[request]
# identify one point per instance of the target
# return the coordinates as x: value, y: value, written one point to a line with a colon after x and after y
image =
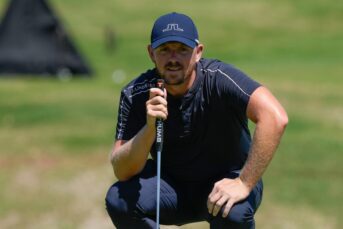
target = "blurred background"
x: 57, y: 128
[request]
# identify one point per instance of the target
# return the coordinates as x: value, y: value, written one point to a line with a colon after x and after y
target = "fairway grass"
x: 55, y: 135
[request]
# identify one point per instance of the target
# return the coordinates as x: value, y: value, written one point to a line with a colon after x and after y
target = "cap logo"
x: 172, y: 27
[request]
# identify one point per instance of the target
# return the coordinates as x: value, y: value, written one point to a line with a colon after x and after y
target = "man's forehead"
x: 173, y: 44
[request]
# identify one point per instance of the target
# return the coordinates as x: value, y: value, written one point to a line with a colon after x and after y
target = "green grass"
x: 55, y: 135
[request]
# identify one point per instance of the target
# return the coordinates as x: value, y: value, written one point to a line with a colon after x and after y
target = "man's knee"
x: 243, y: 212
x: 238, y: 218
x: 241, y: 215
x: 126, y: 197
x: 114, y: 204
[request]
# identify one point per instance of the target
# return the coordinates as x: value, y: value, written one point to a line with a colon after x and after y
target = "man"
x: 211, y: 169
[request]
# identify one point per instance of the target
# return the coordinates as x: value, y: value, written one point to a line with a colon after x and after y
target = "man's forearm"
x: 130, y: 158
x: 266, y: 139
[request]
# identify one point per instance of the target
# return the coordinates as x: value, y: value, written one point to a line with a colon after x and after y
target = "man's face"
x: 175, y: 61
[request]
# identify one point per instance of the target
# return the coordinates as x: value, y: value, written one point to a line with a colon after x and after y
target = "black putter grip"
x: 159, y: 122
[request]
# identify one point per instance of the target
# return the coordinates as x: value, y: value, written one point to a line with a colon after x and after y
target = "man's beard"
x: 169, y: 80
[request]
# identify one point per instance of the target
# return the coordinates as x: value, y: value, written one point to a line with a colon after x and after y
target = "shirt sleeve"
x: 237, y: 86
x: 128, y: 123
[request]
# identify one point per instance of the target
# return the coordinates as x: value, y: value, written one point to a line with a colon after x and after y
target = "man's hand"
x: 156, y: 106
x: 226, y: 193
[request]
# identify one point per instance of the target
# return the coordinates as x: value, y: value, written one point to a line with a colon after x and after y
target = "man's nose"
x: 173, y: 54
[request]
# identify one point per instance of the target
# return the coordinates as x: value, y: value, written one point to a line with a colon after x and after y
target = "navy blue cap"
x: 174, y: 27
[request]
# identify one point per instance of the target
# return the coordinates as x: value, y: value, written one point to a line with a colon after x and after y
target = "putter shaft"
x: 159, y: 146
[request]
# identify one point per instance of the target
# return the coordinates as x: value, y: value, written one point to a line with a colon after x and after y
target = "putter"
x: 159, y: 146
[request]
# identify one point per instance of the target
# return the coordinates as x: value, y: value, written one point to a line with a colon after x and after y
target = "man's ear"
x: 151, y: 53
x: 199, y: 50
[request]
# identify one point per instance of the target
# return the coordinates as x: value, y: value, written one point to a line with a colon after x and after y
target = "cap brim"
x: 182, y: 40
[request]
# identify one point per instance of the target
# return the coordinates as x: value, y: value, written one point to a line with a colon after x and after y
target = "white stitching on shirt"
x: 139, y: 92
x: 227, y: 76
x: 145, y: 81
x: 120, y: 130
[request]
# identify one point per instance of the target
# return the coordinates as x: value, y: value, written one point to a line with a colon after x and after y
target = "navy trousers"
x: 132, y: 204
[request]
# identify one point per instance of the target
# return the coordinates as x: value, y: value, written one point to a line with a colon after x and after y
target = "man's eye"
x: 183, y: 50
x: 163, y: 50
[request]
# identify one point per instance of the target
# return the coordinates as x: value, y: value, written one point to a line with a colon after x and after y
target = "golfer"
x: 211, y: 167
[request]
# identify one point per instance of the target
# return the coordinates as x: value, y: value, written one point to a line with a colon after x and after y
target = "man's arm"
x: 271, y: 121
x: 129, y: 157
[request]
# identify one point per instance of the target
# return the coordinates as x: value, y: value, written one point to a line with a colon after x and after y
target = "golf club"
x: 159, y: 146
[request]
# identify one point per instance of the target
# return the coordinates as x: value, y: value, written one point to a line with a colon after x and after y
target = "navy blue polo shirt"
x: 206, y: 133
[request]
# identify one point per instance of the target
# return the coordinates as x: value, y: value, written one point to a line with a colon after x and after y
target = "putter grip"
x: 159, y: 122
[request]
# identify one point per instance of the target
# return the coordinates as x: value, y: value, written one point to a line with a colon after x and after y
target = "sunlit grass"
x: 55, y: 135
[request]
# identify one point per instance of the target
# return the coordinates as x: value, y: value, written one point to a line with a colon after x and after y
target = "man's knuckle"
x: 226, y: 209
x: 212, y: 200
